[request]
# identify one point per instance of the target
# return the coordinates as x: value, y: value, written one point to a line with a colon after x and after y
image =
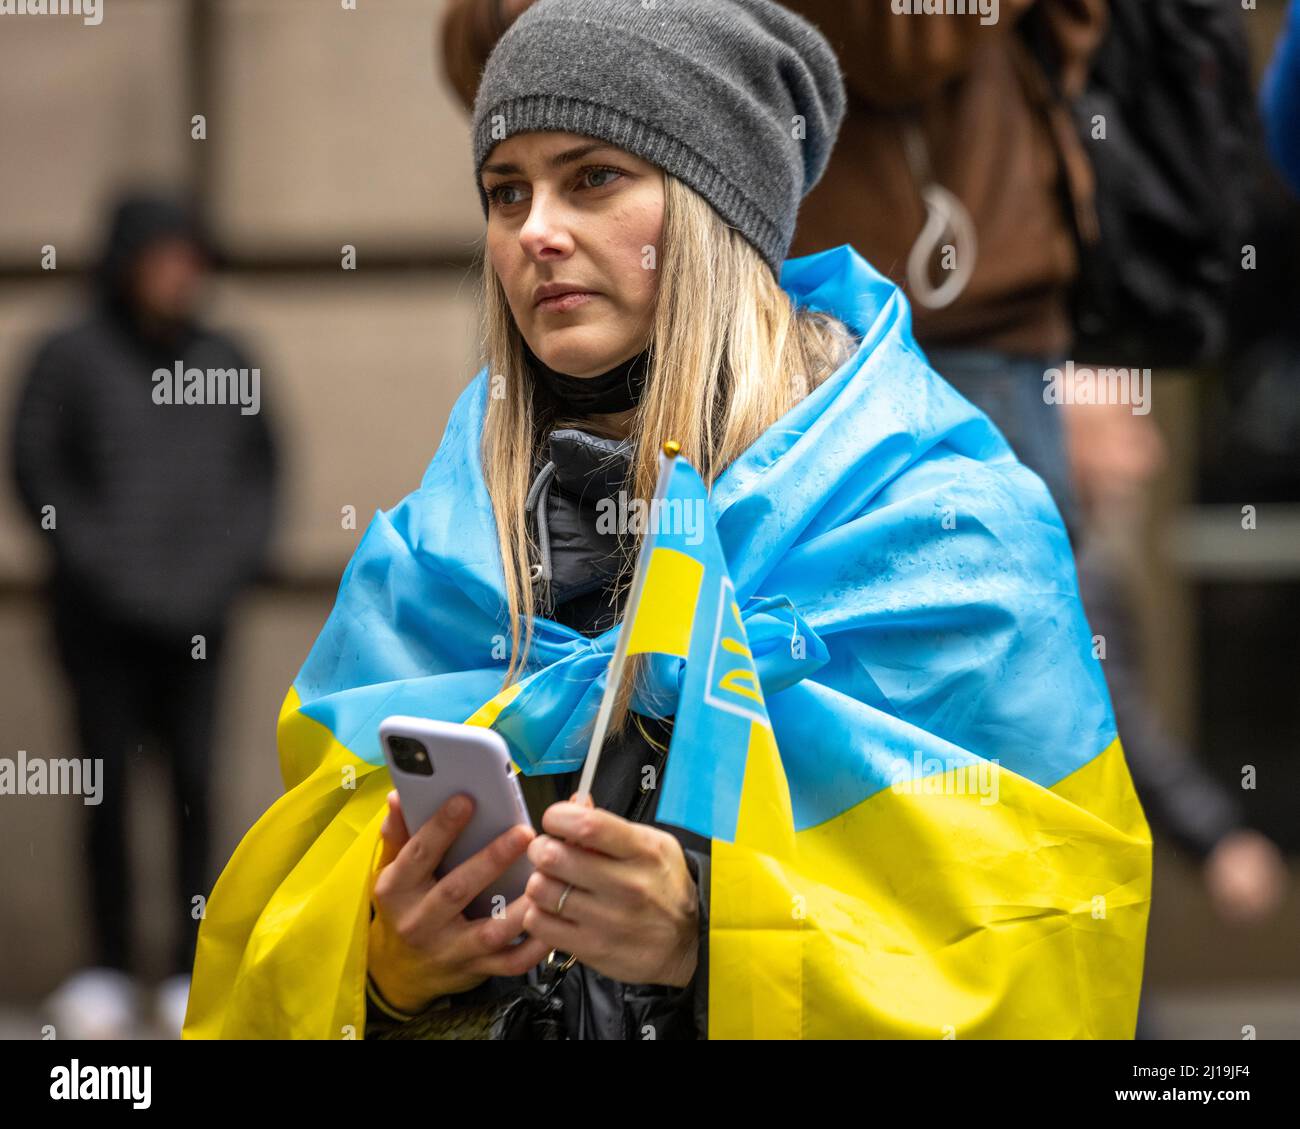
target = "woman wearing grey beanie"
x: 900, y: 581
x: 640, y: 167
x: 863, y: 700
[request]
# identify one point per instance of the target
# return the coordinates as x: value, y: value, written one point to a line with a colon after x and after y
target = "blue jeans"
x: 1009, y: 390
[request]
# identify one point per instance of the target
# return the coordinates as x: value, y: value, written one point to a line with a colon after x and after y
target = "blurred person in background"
x: 1114, y: 455
x: 156, y: 515
x: 1280, y: 100
x: 962, y: 177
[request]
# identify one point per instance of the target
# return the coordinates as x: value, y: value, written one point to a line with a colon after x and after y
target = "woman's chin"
x: 578, y: 362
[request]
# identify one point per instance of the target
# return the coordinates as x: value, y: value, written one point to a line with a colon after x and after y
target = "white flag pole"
x: 614, y: 677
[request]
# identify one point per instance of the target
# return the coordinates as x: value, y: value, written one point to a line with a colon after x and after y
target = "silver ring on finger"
x: 559, y: 909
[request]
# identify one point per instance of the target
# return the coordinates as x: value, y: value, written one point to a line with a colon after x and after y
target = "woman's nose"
x: 547, y: 231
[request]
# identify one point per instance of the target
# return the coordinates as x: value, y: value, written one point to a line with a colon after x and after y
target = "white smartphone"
x: 430, y: 761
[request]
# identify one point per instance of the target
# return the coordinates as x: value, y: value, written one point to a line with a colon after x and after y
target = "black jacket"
x: 162, y: 511
x: 579, y: 566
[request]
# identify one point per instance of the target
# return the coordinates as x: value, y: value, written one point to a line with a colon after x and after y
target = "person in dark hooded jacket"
x: 156, y: 514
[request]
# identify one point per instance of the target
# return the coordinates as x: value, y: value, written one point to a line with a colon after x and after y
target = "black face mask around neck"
x: 614, y: 391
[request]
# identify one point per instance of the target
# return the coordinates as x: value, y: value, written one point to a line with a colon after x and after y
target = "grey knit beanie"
x: 740, y: 99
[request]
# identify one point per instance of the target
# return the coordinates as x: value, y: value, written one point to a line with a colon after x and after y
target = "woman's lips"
x: 563, y: 303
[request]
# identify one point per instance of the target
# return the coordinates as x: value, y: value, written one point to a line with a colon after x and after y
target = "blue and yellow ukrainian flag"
x: 889, y: 721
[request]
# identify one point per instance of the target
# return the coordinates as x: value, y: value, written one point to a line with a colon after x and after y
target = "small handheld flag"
x: 671, y: 448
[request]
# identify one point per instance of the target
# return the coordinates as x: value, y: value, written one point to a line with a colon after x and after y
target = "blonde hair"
x: 729, y: 354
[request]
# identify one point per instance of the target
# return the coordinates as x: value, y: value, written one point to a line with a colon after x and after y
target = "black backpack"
x: 1172, y: 84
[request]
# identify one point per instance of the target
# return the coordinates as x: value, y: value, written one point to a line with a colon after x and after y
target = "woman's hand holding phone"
x: 421, y: 945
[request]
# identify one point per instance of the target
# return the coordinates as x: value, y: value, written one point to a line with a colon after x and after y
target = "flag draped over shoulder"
x: 888, y: 719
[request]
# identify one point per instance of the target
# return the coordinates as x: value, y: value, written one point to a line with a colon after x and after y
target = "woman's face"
x: 571, y: 214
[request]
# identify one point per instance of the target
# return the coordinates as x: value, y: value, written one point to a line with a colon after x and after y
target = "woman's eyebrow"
x: 567, y: 157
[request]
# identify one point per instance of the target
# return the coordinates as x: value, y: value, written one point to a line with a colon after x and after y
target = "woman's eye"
x: 497, y: 195
x: 600, y: 172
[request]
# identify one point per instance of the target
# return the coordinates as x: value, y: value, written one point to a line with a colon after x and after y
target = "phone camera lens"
x: 410, y: 755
